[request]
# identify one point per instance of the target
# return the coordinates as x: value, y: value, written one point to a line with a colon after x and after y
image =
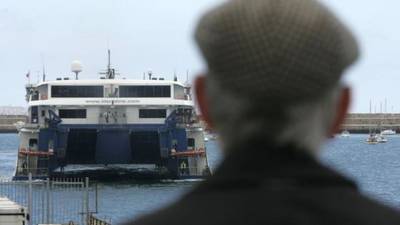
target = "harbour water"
x: 375, y: 168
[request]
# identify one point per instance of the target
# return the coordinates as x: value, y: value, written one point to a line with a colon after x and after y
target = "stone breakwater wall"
x: 355, y: 122
x: 364, y: 122
x: 7, y: 122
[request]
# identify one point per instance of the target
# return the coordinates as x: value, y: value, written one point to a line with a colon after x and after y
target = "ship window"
x: 35, y: 96
x: 34, y: 114
x: 72, y: 113
x: 42, y: 89
x: 33, y: 142
x: 152, y: 113
x: 77, y: 91
x: 163, y: 91
x: 179, y: 92
x: 191, y: 142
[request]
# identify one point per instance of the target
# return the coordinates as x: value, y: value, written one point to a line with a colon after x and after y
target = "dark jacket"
x: 261, y: 184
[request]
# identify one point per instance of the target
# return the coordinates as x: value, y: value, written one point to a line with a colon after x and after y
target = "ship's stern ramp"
x: 112, y: 146
x: 168, y: 150
x: 93, y: 149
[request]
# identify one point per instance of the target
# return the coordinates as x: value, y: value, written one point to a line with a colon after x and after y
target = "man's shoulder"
x: 263, y: 204
x: 284, y: 187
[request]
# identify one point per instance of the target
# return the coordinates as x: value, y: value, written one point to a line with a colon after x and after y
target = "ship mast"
x: 110, y: 72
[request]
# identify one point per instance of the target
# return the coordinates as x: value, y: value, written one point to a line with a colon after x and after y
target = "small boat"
x: 381, y: 138
x: 372, y: 139
x: 206, y: 138
x: 388, y: 132
x: 19, y: 125
x: 345, y: 133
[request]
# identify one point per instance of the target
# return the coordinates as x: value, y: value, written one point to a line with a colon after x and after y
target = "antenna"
x: 44, y: 74
x: 109, y: 60
x: 175, y: 76
x: 174, y: 73
x: 144, y: 76
x: 38, y: 76
x: 43, y: 70
x: 110, y: 72
x: 76, y: 67
x: 150, y: 73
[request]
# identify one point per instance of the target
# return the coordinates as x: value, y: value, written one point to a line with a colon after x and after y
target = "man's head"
x: 274, y: 70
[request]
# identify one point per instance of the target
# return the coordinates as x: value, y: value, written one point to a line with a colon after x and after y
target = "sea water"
x: 375, y: 168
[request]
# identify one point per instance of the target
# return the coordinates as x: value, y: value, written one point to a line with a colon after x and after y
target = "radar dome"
x: 76, y: 66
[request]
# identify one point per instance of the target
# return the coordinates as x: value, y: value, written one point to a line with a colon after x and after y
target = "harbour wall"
x: 366, y: 122
x: 7, y: 122
x: 355, y: 122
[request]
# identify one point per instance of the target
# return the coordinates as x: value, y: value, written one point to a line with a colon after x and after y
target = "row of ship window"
x: 82, y: 114
x: 160, y: 91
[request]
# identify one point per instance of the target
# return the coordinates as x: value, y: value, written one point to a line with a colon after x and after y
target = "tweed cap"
x: 280, y: 50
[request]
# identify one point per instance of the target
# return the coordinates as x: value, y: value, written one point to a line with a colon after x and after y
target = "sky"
x: 157, y: 35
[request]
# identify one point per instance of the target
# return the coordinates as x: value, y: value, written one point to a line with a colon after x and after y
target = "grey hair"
x: 236, y: 119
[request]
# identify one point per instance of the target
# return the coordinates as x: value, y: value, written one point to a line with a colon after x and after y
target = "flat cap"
x: 280, y: 50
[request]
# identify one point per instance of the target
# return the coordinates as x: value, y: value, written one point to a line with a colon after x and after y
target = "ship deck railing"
x: 30, y: 126
x: 31, y: 152
x: 36, y: 172
x: 189, y: 153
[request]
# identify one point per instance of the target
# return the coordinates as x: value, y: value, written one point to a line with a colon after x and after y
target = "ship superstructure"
x: 111, y: 127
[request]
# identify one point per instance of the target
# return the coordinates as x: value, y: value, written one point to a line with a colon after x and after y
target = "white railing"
x: 62, y: 201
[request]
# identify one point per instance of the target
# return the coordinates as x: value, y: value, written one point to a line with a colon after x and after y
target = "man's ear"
x: 201, y: 97
x: 341, y: 110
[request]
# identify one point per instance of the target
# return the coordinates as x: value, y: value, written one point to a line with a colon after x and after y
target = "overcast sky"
x: 157, y: 35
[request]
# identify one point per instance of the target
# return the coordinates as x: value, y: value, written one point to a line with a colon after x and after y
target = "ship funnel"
x: 76, y: 67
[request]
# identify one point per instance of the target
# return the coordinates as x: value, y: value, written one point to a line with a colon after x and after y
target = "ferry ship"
x: 107, y: 128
